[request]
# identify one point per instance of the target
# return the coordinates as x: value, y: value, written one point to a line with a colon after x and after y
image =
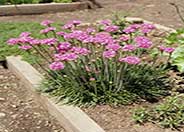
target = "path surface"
x: 19, y: 112
x: 159, y: 11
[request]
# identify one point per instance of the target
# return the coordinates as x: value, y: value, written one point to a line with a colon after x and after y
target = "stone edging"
x: 73, y: 119
x: 27, y: 9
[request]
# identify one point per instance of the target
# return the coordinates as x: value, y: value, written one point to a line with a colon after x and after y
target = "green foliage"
x: 62, y: 1
x: 169, y: 114
x: 178, y: 55
x: 149, y: 86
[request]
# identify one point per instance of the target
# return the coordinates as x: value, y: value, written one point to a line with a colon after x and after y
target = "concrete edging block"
x: 72, y: 118
x: 27, y: 9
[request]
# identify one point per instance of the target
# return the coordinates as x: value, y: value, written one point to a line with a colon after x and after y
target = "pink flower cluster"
x: 130, y: 60
x: 46, y: 22
x: 143, y: 42
x: 47, y: 30
x: 56, y: 66
x: 166, y: 49
x: 71, y: 24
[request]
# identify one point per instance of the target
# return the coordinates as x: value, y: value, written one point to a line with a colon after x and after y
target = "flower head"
x: 109, y: 54
x: 45, y: 31
x: 13, y: 41
x: 146, y: 27
x: 111, y: 28
x: 129, y: 47
x: 113, y: 47
x: 56, y: 66
x: 25, y: 34
x: 130, y: 60
x: 143, y: 42
x: 46, y: 22
x: 25, y: 47
x: 169, y: 49
x: 106, y: 22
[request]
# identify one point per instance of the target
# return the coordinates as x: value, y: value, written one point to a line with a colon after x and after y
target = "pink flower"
x: 113, y: 47
x: 80, y: 51
x: 60, y: 33
x: 24, y: 40
x: 25, y: 47
x: 92, y: 79
x: 25, y: 34
x: 124, y: 38
x: 68, y: 26
x: 46, y: 22
x: 35, y: 42
x: 64, y: 46
x: 76, y: 22
x: 90, y: 30
x: 129, y: 47
x: 130, y: 60
x: 132, y: 28
x: 109, y: 54
x: 169, y: 49
x: 106, y: 22
x: 146, y: 28
x: 13, y: 41
x: 161, y: 48
x: 103, y: 38
x: 66, y: 57
x: 111, y: 28
x: 56, y: 66
x: 143, y: 42
x: 45, y: 31
x: 48, y: 41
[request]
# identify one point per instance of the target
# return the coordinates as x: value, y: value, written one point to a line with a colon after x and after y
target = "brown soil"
x: 120, y: 119
x: 159, y: 11
x: 19, y: 112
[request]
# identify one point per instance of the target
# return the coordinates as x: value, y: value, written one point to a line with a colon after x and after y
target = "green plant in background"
x: 168, y: 114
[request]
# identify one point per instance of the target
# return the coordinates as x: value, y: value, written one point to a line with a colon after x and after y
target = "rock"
x: 2, y: 115
x: 2, y: 99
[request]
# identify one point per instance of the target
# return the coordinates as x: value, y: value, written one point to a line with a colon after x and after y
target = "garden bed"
x: 27, y: 9
x: 112, y: 119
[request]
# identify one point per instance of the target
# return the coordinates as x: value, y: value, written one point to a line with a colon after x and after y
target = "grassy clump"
x: 169, y: 114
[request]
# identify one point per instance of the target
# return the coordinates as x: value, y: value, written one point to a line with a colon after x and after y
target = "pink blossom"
x: 109, y: 54
x: 161, y: 48
x: 25, y: 47
x: 66, y: 57
x: 60, y: 33
x: 143, y: 42
x: 80, y: 51
x: 45, y: 31
x: 68, y: 26
x: 46, y: 22
x: 169, y: 49
x: 76, y: 22
x: 132, y: 28
x: 56, y: 66
x: 129, y: 47
x: 25, y: 34
x: 90, y: 30
x: 35, y: 42
x: 103, y: 38
x: 64, y: 46
x: 48, y: 41
x: 111, y: 28
x: 146, y: 27
x: 89, y: 39
x: 130, y: 60
x: 13, y: 41
x: 25, y: 39
x: 92, y: 79
x: 106, y: 22
x: 124, y: 38
x: 113, y: 47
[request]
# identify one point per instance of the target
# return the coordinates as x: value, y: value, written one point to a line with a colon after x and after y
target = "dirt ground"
x: 159, y: 11
x: 19, y: 112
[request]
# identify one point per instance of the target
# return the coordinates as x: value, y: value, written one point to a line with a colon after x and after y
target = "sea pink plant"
x: 80, y: 51
x: 146, y: 27
x: 64, y: 46
x: 66, y: 57
x: 25, y: 47
x: 111, y: 28
x: 143, y: 42
x: 124, y: 38
x: 25, y: 34
x: 109, y: 54
x: 56, y: 66
x: 130, y: 60
x: 46, y: 22
x: 47, y: 30
x: 105, y: 22
x: 13, y: 41
x: 114, y: 47
x: 129, y: 47
x: 169, y: 50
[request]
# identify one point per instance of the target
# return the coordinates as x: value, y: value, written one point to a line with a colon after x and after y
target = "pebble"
x: 2, y: 99
x: 2, y: 115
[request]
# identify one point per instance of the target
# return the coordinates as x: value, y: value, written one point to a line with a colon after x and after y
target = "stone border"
x: 27, y: 9
x: 73, y: 119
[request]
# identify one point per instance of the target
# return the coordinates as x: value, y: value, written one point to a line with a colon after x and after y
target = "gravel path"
x: 159, y: 11
x: 19, y: 112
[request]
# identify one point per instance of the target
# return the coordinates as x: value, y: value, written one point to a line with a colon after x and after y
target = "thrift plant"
x: 101, y: 64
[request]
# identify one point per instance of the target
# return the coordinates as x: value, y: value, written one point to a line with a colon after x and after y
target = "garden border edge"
x: 28, y: 9
x: 72, y: 118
